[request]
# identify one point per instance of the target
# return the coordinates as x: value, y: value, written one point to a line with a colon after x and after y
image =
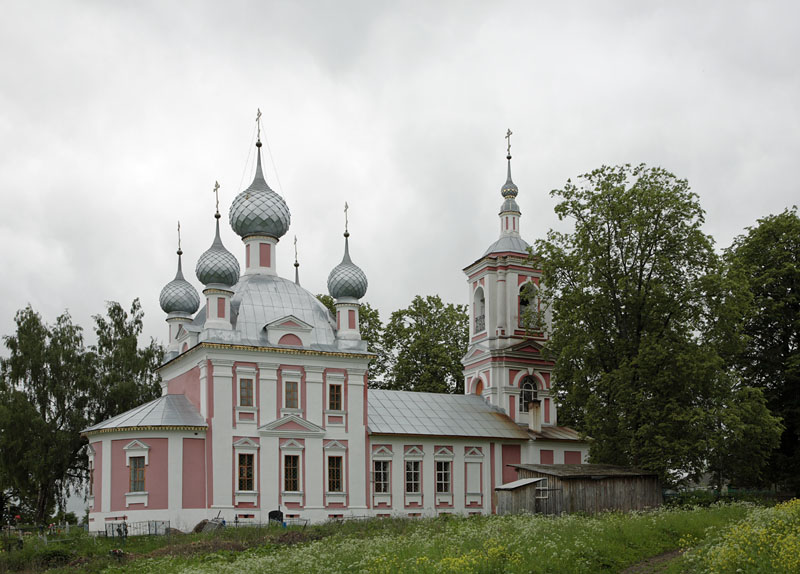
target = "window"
x: 443, y: 476
x: 479, y: 309
x: 91, y: 478
x: 335, y: 398
x: 246, y: 472
x: 381, y: 476
x: 528, y: 306
x: 291, y: 473
x: 292, y: 401
x: 246, y: 392
x: 527, y: 394
x: 137, y: 474
x: 412, y: 475
x: 335, y: 474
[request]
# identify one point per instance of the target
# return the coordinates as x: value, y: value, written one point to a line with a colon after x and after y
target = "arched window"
x: 479, y: 309
x: 479, y: 388
x: 527, y: 393
x: 528, y: 306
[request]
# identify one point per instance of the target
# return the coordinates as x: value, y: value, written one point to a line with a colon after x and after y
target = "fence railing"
x: 147, y: 528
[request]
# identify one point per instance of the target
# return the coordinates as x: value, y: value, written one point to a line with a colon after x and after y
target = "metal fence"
x: 147, y: 528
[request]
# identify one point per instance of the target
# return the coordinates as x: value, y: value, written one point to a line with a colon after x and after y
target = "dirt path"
x: 653, y: 565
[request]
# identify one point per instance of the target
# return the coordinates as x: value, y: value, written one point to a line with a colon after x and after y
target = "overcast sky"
x: 116, y: 118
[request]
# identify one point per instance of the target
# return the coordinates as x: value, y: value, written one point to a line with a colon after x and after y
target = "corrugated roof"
x: 568, y: 471
x: 165, y: 411
x: 556, y: 433
x: 518, y: 483
x: 438, y: 414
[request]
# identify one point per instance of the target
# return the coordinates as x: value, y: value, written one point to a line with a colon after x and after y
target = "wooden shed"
x: 590, y: 488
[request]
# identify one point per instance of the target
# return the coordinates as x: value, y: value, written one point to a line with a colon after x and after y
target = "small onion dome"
x: 217, y: 265
x: 509, y: 205
x: 347, y: 279
x: 509, y: 189
x: 178, y: 295
x: 258, y: 210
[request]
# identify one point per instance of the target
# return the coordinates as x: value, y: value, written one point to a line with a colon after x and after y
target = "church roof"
x: 165, y: 411
x: 438, y: 414
x: 508, y: 243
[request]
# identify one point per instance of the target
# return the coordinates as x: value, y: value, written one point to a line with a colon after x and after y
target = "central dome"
x: 258, y: 210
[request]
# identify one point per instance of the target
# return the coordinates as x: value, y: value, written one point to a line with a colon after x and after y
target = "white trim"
x: 136, y: 448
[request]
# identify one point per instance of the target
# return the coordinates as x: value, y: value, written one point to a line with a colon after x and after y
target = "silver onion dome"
x: 258, y: 210
x: 178, y: 295
x: 217, y: 265
x: 347, y: 279
x: 509, y: 189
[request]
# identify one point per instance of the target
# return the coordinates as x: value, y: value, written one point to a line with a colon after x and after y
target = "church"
x: 266, y: 402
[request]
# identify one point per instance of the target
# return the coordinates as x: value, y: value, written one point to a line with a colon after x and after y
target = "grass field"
x: 606, y: 543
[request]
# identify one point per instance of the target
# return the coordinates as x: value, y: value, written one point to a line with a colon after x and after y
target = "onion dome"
x: 217, y: 265
x: 347, y: 279
x: 258, y: 210
x: 178, y: 296
x: 509, y: 190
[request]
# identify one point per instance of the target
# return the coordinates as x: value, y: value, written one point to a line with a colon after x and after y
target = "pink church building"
x: 266, y: 403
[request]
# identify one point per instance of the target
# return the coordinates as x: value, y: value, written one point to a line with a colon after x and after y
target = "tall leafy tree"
x: 768, y: 257
x: 425, y: 343
x: 48, y: 381
x: 642, y: 318
x: 371, y: 327
x: 125, y: 372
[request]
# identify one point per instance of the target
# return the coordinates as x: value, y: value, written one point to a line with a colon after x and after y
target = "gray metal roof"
x: 165, y: 411
x: 436, y: 414
x: 567, y: 471
x: 258, y: 300
x: 217, y: 264
x: 506, y: 243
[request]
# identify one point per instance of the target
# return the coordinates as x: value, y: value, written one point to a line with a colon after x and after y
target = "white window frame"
x: 332, y: 379
x: 137, y: 448
x: 292, y: 447
x: 443, y: 454
x: 246, y: 446
x: 292, y: 377
x: 335, y: 449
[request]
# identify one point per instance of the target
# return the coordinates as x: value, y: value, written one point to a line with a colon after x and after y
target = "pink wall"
x: 194, y: 473
x: 98, y: 476
x: 187, y: 384
x: 511, y: 455
x: 155, y: 473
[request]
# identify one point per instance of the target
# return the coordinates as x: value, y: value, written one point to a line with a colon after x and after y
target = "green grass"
x: 482, y: 544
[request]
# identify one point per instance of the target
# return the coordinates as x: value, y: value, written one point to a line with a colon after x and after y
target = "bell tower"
x: 504, y: 361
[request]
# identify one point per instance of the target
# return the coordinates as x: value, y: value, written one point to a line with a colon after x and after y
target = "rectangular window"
x: 137, y: 473
x: 443, y: 476
x: 381, y: 476
x: 246, y: 392
x: 246, y: 468
x: 291, y: 473
x: 291, y: 395
x: 91, y: 479
x: 335, y: 398
x: 412, y: 476
x: 335, y: 483
x: 473, y: 478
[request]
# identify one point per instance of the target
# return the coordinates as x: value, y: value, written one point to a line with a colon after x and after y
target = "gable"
x: 291, y: 425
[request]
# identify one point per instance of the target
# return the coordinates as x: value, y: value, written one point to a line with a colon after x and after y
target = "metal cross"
x: 508, y: 137
x: 216, y: 193
x: 258, y: 122
x: 295, y: 248
x: 179, y: 235
x: 346, y: 207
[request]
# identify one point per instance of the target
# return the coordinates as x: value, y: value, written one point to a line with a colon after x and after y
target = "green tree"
x: 643, y: 317
x: 371, y: 327
x: 48, y: 381
x: 125, y: 373
x: 768, y: 257
x: 425, y: 343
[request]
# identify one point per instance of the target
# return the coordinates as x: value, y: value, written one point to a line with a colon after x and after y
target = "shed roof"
x: 439, y: 414
x: 571, y: 471
x: 165, y: 411
x: 555, y: 433
x: 519, y: 483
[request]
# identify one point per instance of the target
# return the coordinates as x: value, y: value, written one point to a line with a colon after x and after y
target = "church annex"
x: 266, y: 402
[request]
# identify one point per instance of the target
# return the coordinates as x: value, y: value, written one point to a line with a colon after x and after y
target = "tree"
x: 425, y: 343
x: 48, y: 380
x: 768, y: 257
x: 371, y: 327
x: 125, y: 372
x: 643, y: 316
